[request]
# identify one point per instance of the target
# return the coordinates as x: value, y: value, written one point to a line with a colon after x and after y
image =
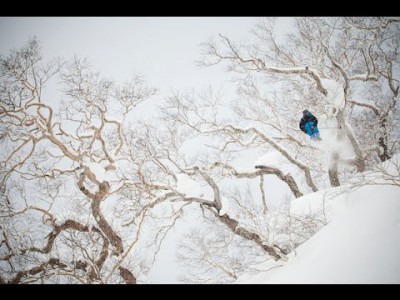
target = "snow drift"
x: 359, y: 244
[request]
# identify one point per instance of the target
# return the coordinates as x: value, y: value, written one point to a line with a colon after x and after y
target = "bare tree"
x: 215, y: 255
x: 331, y: 65
x: 168, y: 171
x: 83, y: 191
x: 319, y: 66
x: 61, y: 167
x: 238, y: 230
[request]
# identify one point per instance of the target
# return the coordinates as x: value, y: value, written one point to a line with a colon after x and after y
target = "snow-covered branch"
x: 364, y: 77
x: 212, y: 184
x: 236, y: 130
x: 341, y: 70
x: 257, y: 64
x: 69, y: 156
x: 264, y: 170
x: 372, y: 107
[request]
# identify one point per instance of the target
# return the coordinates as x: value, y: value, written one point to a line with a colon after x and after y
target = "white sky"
x: 164, y: 49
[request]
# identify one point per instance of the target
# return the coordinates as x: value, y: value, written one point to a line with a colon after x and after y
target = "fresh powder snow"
x: 360, y: 243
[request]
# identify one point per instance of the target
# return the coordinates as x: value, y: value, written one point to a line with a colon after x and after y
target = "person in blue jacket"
x: 309, y: 125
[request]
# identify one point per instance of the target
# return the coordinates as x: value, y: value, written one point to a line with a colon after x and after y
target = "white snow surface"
x: 360, y: 244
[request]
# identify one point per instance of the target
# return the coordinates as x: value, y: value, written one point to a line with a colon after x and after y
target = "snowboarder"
x: 308, y: 124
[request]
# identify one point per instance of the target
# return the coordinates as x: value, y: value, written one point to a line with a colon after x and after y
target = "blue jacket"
x: 309, y: 117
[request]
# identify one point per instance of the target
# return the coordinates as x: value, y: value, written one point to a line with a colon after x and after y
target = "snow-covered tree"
x: 345, y: 70
x: 88, y: 197
x: 68, y: 179
x: 322, y: 66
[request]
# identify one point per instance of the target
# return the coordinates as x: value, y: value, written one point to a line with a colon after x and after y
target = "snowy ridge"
x: 362, y: 233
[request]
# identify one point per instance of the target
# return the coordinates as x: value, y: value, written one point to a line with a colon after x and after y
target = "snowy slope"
x: 360, y: 243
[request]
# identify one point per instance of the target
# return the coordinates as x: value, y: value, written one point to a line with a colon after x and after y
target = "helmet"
x: 305, y: 112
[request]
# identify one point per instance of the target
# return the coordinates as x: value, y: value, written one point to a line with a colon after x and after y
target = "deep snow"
x: 360, y: 243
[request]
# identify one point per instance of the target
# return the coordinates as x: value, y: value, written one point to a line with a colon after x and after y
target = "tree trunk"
x: 333, y: 170
x: 384, y: 154
x: 344, y: 130
x: 251, y: 236
x: 127, y: 276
